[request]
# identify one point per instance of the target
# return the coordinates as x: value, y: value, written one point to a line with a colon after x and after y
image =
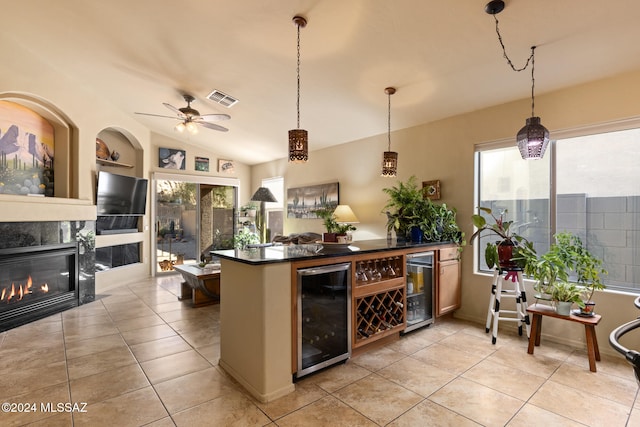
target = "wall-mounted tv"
x: 121, y: 195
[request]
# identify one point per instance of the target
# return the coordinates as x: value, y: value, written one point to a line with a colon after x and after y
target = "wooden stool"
x: 539, y: 310
x: 496, y: 313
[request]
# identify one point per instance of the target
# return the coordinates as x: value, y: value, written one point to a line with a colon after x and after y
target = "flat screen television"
x: 120, y: 194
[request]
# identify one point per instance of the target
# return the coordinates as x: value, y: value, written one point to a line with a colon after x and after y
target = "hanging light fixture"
x: 298, y: 138
x: 389, y: 158
x: 533, y: 138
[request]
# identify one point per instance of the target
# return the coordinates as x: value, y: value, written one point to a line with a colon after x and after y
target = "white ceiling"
x: 443, y: 57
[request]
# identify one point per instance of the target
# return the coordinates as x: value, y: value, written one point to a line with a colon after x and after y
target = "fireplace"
x: 37, y: 281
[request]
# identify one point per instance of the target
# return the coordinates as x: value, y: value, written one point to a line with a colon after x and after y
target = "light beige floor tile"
x: 378, y: 398
x: 477, y: 402
x: 94, y: 345
x: 80, y: 332
x: 165, y: 422
x: 447, y: 358
x: 579, y: 405
x: 183, y: 314
x: 417, y: 376
x: 210, y: 352
x: 328, y: 412
x: 410, y: 343
x: 193, y: 389
x: 137, y: 408
x: 600, y: 384
x: 44, y: 340
x: 518, y: 358
x: 531, y: 415
x: 108, y: 384
x: 634, y: 418
x: 169, y: 306
x: 79, y: 322
x: 62, y: 419
x: 23, y: 380
x: 32, y: 356
x: 151, y: 333
x: 615, y: 365
x: 173, y: 366
x: 306, y: 393
x: 233, y: 410
x: 138, y: 323
x: 124, y: 314
x: 202, y: 338
x: 429, y: 414
x: 469, y: 343
x: 511, y: 381
x: 159, y: 348
x: 377, y: 359
x: 53, y: 394
x: 95, y: 363
x: 338, y: 376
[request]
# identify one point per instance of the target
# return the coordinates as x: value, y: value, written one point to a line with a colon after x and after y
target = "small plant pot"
x: 505, y: 253
x: 416, y: 235
x: 588, y: 309
x: 329, y: 237
x: 563, y: 308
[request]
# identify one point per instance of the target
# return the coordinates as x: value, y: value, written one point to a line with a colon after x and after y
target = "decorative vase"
x: 563, y: 308
x: 416, y: 234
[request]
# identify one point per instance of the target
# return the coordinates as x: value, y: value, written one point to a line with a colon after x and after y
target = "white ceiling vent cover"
x: 222, y: 98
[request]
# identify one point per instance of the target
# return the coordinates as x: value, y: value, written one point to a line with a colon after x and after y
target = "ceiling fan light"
x: 192, y: 128
x: 533, y: 139
x: 389, y: 164
x: 180, y: 127
x: 298, y: 146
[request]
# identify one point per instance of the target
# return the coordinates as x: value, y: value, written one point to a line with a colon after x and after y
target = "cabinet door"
x: 448, y: 289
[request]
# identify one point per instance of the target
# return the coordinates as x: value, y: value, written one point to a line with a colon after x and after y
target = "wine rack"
x: 379, y: 314
x: 375, y: 270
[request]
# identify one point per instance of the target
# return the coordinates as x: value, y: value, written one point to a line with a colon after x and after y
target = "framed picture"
x: 303, y: 202
x: 202, y: 164
x: 226, y: 166
x: 432, y: 189
x: 169, y: 158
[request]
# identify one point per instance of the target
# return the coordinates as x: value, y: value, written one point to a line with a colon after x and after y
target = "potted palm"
x: 501, y: 253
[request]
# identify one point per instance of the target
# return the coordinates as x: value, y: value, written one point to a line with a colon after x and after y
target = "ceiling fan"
x: 191, y: 118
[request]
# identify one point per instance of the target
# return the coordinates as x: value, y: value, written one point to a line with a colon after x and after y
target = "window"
x: 588, y: 185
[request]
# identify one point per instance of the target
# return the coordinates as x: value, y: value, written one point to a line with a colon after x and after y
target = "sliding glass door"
x: 192, y: 216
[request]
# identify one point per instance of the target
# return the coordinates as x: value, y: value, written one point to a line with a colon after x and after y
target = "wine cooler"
x: 324, y: 317
x: 420, y: 291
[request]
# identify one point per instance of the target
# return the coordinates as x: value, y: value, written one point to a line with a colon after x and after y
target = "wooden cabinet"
x: 379, y: 297
x: 448, y: 287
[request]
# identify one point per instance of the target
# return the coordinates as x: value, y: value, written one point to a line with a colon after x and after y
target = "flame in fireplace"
x: 18, y: 292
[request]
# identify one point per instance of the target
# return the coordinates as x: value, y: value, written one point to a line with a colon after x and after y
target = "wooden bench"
x: 539, y: 310
x: 200, y: 285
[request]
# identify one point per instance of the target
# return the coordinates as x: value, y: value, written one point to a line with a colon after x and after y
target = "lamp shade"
x: 533, y: 139
x: 344, y: 215
x: 263, y: 194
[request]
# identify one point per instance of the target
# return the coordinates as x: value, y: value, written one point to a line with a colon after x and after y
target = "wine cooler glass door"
x: 419, y: 290
x: 324, y: 317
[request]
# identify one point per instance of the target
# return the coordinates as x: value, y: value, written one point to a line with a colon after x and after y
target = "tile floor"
x: 139, y: 357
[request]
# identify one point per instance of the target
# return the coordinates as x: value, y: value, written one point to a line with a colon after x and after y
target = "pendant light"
x: 389, y: 158
x: 298, y: 138
x: 533, y: 138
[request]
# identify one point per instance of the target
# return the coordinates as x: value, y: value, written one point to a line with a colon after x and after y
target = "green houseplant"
x: 408, y: 208
x: 566, y: 263
x: 334, y: 228
x: 500, y: 253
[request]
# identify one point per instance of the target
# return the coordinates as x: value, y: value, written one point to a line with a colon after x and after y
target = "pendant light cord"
x: 389, y: 121
x: 298, y: 73
x: 531, y: 59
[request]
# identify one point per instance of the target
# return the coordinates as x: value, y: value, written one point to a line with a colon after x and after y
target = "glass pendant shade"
x: 389, y: 164
x: 180, y: 127
x: 533, y: 139
x: 192, y: 128
x: 298, y: 146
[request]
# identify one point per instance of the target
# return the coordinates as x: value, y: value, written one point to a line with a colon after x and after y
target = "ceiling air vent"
x: 222, y: 98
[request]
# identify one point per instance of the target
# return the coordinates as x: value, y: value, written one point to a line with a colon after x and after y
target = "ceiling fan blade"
x: 158, y: 115
x: 214, y: 117
x: 212, y: 126
x: 174, y: 109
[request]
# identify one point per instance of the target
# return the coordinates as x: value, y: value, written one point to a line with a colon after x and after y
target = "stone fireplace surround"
x: 22, y: 236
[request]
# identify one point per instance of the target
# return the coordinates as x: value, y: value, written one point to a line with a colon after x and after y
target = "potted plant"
x: 413, y: 216
x: 564, y: 295
x: 334, y: 229
x: 245, y: 237
x: 554, y: 269
x: 500, y: 253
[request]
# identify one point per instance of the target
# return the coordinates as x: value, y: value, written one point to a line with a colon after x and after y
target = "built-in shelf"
x: 112, y: 163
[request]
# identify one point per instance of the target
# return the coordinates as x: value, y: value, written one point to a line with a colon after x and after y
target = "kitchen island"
x: 258, y: 310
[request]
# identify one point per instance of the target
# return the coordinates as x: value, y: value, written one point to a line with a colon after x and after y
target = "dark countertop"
x: 288, y: 253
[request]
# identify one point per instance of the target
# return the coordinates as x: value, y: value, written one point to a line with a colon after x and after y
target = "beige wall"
x: 444, y: 150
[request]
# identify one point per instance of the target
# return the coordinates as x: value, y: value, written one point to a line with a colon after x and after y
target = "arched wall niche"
x: 127, y: 146
x: 65, y: 160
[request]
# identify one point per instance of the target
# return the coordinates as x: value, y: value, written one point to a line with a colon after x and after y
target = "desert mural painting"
x: 26, y: 151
